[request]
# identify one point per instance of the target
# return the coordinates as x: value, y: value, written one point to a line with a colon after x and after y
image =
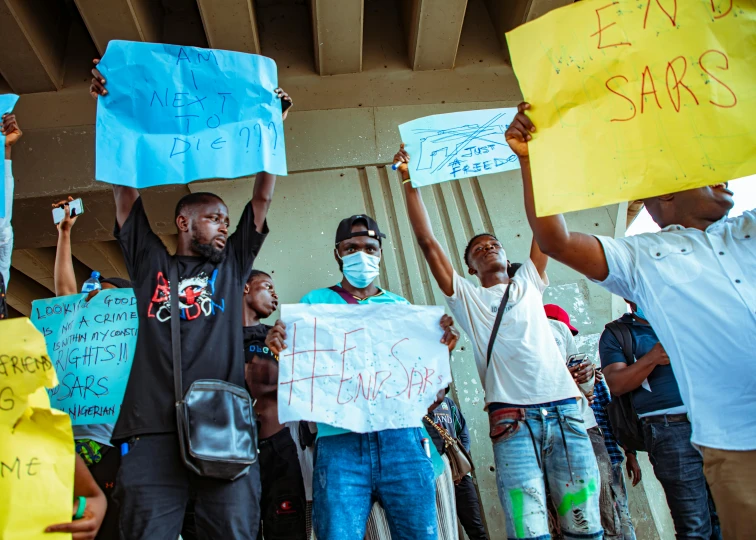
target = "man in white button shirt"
x: 696, y: 282
x: 12, y: 134
x: 537, y: 430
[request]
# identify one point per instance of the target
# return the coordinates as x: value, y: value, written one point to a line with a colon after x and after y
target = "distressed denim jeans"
x: 620, y: 496
x: 353, y: 470
x: 546, y: 444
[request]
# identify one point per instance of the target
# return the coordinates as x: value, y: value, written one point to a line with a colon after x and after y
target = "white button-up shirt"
x: 698, y: 291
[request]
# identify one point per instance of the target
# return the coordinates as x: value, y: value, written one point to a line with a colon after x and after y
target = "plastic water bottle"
x: 92, y: 284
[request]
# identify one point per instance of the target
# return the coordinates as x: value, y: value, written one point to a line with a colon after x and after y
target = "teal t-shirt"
x: 327, y: 296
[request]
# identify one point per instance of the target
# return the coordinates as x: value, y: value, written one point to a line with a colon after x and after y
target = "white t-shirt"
x: 567, y: 347
x: 526, y: 366
x: 698, y: 291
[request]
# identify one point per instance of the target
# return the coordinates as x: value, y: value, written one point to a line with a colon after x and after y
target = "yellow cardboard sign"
x: 36, y: 442
x: 637, y: 98
x: 36, y: 475
x: 24, y: 367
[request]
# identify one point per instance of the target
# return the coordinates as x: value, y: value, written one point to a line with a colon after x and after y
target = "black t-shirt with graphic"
x: 254, y: 342
x: 210, y: 301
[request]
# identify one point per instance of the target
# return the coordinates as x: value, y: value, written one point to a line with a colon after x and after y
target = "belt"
x: 665, y: 418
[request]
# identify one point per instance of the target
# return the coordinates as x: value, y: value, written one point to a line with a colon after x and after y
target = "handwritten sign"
x: 7, y: 102
x: 24, y: 367
x: 458, y: 145
x: 91, y: 346
x: 361, y: 368
x: 177, y: 114
x: 637, y: 99
x: 36, y: 475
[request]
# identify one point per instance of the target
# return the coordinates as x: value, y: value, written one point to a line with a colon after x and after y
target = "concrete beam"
x: 509, y: 15
x: 337, y: 35
x: 33, y: 44
x: 133, y: 20
x: 433, y: 30
x: 23, y: 290
x: 105, y: 257
x: 230, y: 25
x: 38, y: 264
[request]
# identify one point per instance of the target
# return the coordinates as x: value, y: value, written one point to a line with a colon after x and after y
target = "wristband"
x: 407, y: 180
x: 80, y: 510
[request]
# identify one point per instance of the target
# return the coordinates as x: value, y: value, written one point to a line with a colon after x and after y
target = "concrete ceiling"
x: 331, y: 54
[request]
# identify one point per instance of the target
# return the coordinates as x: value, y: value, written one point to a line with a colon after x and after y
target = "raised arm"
x: 124, y: 196
x: 12, y: 133
x: 581, y: 252
x: 63, y: 275
x: 437, y: 259
x: 265, y: 182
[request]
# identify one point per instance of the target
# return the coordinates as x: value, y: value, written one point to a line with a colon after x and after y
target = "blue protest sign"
x: 174, y: 114
x: 92, y: 347
x: 7, y: 102
x: 458, y: 145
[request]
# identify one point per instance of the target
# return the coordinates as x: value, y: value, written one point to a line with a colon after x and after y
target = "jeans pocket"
x: 576, y: 426
x: 420, y: 434
x: 504, y: 424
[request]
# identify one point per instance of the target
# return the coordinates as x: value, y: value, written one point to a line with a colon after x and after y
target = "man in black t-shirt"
x: 154, y: 487
x: 283, y: 502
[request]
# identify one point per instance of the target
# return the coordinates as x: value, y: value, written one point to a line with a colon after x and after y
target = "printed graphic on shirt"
x: 262, y: 351
x: 195, y: 297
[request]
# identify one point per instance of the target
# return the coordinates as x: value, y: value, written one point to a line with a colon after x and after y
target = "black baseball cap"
x: 344, y: 230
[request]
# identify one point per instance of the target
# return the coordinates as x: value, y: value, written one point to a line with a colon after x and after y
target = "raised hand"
x: 403, y: 158
x: 286, y: 104
x: 67, y: 223
x: 520, y: 130
x: 11, y: 130
x: 97, y: 87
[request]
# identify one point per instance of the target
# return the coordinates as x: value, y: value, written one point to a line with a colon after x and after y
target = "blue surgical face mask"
x: 639, y: 313
x: 360, y: 269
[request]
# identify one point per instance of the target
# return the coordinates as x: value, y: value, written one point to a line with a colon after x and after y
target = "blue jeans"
x: 679, y: 468
x: 352, y: 470
x: 540, y: 445
x: 620, y: 496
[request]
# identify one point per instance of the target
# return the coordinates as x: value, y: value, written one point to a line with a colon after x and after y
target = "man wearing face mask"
x: 666, y: 429
x: 352, y: 470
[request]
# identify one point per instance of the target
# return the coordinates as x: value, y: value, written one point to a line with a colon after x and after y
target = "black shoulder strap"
x: 622, y: 334
x: 345, y: 295
x: 497, y: 323
x: 175, y: 330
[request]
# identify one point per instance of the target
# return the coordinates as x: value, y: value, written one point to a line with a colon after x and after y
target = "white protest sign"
x: 361, y: 368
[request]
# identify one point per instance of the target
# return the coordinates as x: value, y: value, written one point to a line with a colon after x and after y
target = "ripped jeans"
x: 545, y: 443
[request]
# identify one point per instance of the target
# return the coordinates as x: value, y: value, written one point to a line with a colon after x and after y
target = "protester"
x: 695, y: 282
x: 537, y: 430
x: 92, y: 440
x: 600, y: 403
x: 666, y: 429
x: 89, y: 507
x: 154, y: 485
x: 447, y: 415
x: 12, y: 134
x: 397, y: 472
x: 283, y: 504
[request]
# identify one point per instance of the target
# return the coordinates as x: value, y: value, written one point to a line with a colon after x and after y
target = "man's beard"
x: 212, y: 254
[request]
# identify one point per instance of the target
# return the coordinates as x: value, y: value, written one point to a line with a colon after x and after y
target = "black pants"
x: 468, y: 509
x: 283, y: 506
x: 154, y: 487
x: 104, y: 473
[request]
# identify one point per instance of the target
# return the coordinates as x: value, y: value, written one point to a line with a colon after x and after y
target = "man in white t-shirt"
x: 696, y: 282
x: 537, y: 430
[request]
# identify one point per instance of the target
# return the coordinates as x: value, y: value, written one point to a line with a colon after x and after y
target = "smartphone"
x: 285, y: 104
x: 576, y: 359
x: 76, y: 208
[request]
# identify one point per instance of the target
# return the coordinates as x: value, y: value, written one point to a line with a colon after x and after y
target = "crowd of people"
x: 677, y: 367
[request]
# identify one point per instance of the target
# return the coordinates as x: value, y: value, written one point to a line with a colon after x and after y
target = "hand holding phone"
x: 75, y: 209
x: 576, y: 359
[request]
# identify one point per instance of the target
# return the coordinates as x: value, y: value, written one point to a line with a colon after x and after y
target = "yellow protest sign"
x: 637, y: 98
x: 36, y: 475
x: 24, y: 367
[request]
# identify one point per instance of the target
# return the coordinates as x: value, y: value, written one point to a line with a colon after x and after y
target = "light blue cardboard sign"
x: 458, y: 145
x: 178, y: 114
x: 92, y: 347
x: 7, y: 102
